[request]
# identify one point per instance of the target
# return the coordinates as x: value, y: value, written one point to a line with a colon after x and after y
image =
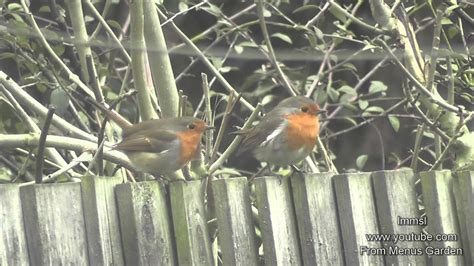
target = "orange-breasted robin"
x: 286, y: 135
x: 163, y: 146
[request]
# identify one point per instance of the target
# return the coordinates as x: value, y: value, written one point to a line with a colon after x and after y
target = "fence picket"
x: 54, y: 224
x: 13, y: 250
x: 277, y: 221
x: 316, y: 212
x: 101, y: 217
x: 438, y: 200
x: 396, y: 198
x: 358, y: 217
x: 464, y: 195
x: 145, y: 224
x: 234, y: 219
x: 190, y: 223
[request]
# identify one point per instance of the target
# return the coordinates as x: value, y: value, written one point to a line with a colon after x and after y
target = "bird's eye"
x: 304, y: 109
x: 191, y: 126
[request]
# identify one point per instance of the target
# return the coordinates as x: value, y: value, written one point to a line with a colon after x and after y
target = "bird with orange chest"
x: 163, y: 146
x: 286, y: 135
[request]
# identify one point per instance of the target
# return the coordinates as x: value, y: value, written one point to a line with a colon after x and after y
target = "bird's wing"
x: 144, y: 126
x: 148, y: 141
x: 259, y: 134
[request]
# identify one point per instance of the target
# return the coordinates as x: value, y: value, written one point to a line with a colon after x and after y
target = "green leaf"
x: 345, y: 98
x: 446, y: 21
x: 266, y: 13
x: 60, y: 99
x: 452, y: 31
x: 350, y: 120
x: 305, y: 7
x: 213, y: 9
x: 7, y: 55
x: 377, y: 86
x: 348, y: 90
x: 238, y: 49
x: 114, y: 24
x: 374, y: 109
x: 338, y: 14
x: 394, y: 122
x: 182, y: 6
x: 14, y: 7
x: 248, y: 44
x: 363, y: 104
x: 44, y: 9
x: 282, y: 37
x: 333, y: 94
x: 361, y: 160
x: 318, y: 33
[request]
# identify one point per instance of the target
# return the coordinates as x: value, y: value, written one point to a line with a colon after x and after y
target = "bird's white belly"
x: 277, y: 152
x: 155, y: 163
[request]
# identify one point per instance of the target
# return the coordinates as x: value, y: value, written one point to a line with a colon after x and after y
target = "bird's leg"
x: 298, y: 170
x: 259, y: 172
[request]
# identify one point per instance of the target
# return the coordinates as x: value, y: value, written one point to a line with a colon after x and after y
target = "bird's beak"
x: 209, y: 127
x: 321, y: 112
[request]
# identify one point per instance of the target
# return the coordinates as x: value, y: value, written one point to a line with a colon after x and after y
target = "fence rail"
x: 307, y: 219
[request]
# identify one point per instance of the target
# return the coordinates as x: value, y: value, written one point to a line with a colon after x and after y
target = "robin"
x: 162, y: 146
x: 286, y: 135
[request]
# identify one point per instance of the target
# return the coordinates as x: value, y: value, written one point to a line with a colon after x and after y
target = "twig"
x: 208, y: 113
x: 436, y: 99
x: 450, y: 142
x: 317, y: 16
x: 327, y: 160
x: 208, y: 63
x: 355, y: 19
x: 382, y: 147
x: 356, y: 88
x: 183, y: 12
x: 159, y: 60
x: 450, y: 80
x: 367, y: 121
x: 184, y: 100
x: 426, y: 120
x: 41, y: 145
x: 24, y: 98
x: 138, y: 61
x: 235, y: 143
x: 215, y: 26
x: 416, y: 148
x: 60, y: 142
x: 53, y: 154
x: 70, y: 75
x: 268, y: 42
x: 94, y: 79
x: 102, y: 22
x: 225, y: 119
x: 434, y: 51
x: 315, y: 82
x: 69, y: 166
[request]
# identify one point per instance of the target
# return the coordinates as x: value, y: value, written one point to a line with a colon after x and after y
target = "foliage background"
x: 348, y: 50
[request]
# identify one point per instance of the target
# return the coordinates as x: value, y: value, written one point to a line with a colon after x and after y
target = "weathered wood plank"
x: 54, y: 224
x: 358, y: 217
x: 440, y: 207
x: 190, y: 223
x: 102, y: 221
x: 277, y: 221
x: 396, y: 197
x: 464, y: 195
x: 316, y: 213
x: 236, y: 231
x: 144, y: 224
x: 13, y: 249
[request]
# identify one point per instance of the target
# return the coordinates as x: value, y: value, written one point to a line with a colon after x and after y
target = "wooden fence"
x: 325, y: 219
